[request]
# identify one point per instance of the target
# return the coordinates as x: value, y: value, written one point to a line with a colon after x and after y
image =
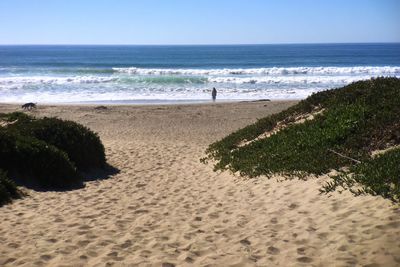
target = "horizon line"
x: 193, y: 44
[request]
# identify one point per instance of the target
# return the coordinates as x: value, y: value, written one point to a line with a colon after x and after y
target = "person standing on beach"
x: 214, y: 94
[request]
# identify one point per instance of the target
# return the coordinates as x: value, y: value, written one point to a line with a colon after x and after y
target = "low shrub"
x: 352, y: 121
x: 16, y: 116
x: 375, y: 176
x: 35, y: 162
x: 82, y: 146
x: 8, y: 189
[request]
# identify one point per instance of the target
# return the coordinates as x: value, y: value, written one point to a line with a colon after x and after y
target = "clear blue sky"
x: 198, y: 21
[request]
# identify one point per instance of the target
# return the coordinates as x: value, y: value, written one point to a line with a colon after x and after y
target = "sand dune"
x: 165, y: 208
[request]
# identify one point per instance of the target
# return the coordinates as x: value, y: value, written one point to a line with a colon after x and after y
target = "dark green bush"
x: 36, y: 163
x: 82, y: 146
x: 8, y: 189
x: 15, y: 116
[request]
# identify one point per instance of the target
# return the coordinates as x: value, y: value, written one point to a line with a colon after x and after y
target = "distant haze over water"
x: 161, y: 74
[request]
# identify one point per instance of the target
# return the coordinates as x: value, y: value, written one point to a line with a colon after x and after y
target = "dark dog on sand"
x: 29, y: 106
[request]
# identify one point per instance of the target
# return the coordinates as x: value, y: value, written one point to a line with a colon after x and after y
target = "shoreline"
x: 152, y: 103
x: 16, y: 107
x: 164, y: 206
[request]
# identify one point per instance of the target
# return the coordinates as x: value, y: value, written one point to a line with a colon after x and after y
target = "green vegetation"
x: 82, y: 146
x: 376, y: 176
x: 8, y: 189
x: 36, y: 163
x: 48, y: 153
x: 349, y: 122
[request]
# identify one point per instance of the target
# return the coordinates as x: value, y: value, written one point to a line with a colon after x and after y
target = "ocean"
x: 185, y: 74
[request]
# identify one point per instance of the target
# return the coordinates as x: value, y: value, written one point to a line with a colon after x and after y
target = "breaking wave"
x: 148, y: 84
x: 55, y: 80
x: 386, y: 70
x: 183, y: 81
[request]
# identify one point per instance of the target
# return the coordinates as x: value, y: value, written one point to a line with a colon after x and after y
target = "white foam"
x: 289, y: 79
x: 54, y: 80
x: 128, y: 84
x: 266, y: 71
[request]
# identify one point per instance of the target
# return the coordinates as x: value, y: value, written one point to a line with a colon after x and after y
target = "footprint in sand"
x: 126, y: 244
x: 83, y: 243
x: 301, y: 251
x: 213, y: 215
x: 273, y: 250
x: 13, y: 245
x: 140, y: 211
x: 304, y: 260
x: 274, y: 220
x: 46, y: 257
x: 8, y: 261
x: 245, y: 242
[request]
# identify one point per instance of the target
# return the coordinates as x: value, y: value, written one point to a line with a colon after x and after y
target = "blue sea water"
x: 157, y: 74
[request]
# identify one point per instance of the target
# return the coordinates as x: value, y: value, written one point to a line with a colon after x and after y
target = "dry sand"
x: 166, y: 207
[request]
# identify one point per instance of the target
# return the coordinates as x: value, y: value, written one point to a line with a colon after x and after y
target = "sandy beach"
x: 166, y: 208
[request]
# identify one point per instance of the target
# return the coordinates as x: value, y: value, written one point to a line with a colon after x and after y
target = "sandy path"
x: 166, y: 207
